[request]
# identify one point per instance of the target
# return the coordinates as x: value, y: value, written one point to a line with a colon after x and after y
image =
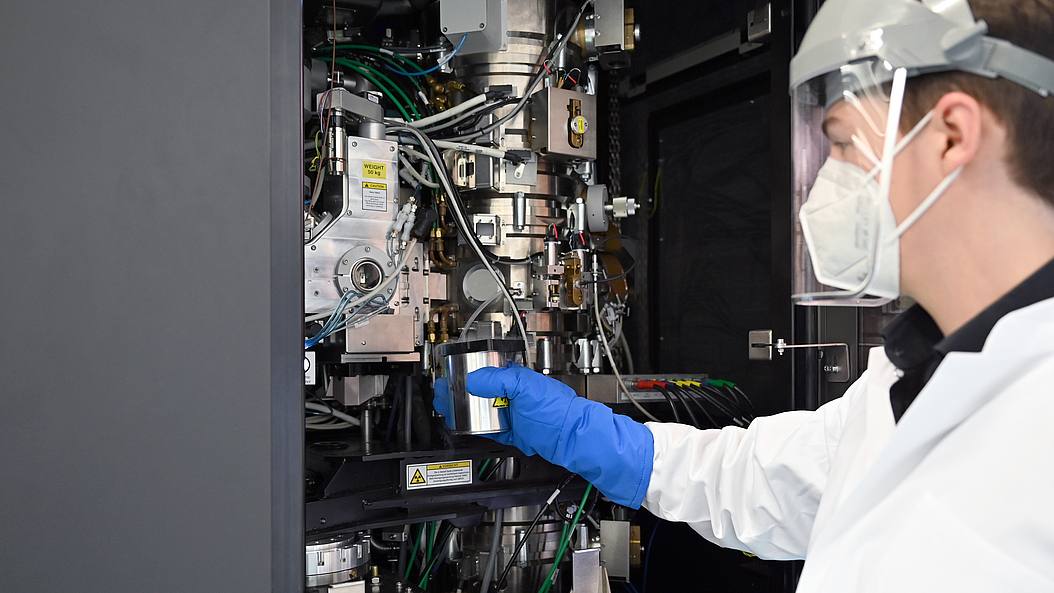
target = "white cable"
x: 611, y: 359
x: 332, y: 412
x: 419, y: 155
x: 430, y: 147
x: 449, y: 113
x: 407, y: 166
x: 471, y: 148
x: 475, y: 314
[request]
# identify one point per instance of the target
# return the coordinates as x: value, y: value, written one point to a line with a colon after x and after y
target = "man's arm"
x: 755, y: 489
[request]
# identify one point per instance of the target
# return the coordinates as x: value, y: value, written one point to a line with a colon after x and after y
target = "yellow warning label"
x: 500, y: 402
x: 439, y: 475
x: 373, y: 185
x: 374, y: 170
x: 449, y: 465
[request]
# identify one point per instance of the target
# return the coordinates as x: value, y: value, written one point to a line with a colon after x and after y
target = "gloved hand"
x: 549, y: 419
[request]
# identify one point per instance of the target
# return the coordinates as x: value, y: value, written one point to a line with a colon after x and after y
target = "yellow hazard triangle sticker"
x: 418, y: 478
x: 500, y: 402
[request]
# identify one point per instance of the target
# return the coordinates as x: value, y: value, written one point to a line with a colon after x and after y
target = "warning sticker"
x: 500, y: 402
x: 374, y: 196
x: 374, y: 170
x: 438, y: 475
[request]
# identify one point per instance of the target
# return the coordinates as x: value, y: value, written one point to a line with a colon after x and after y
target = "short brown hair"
x: 1028, y: 117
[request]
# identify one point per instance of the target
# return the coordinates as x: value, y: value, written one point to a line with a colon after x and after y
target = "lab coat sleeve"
x: 755, y: 489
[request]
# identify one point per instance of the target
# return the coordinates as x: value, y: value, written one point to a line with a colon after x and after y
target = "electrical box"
x: 483, y: 24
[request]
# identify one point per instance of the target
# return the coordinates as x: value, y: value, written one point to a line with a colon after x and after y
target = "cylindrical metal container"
x: 472, y: 414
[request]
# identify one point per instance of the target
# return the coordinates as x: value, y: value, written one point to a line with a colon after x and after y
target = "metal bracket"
x: 837, y: 368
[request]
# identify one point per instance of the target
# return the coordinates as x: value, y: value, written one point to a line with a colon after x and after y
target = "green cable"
x: 377, y: 51
x: 431, y: 564
x: 413, y: 556
x: 387, y: 57
x: 482, y: 468
x: 377, y: 83
x: 371, y: 74
x: 391, y: 82
x: 564, y: 541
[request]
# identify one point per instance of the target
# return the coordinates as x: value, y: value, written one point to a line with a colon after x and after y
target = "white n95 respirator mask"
x: 847, y: 222
x: 839, y: 221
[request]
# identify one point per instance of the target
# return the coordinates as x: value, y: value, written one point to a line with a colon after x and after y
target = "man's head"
x: 976, y: 131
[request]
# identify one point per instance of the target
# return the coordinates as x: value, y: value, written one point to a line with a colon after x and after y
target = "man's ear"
x: 957, y: 117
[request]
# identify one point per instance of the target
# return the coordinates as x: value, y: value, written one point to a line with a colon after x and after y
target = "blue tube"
x: 433, y: 68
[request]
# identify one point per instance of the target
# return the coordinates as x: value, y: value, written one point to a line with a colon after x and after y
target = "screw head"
x: 483, y: 25
x: 364, y: 342
x: 354, y: 143
x: 345, y: 262
x: 367, y: 250
x: 391, y: 149
x: 313, y: 247
x: 316, y: 293
x: 445, y: 29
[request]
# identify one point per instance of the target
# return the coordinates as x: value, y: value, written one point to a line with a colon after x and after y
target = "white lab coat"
x: 957, y: 496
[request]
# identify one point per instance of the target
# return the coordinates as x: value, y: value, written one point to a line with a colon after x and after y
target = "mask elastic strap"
x: 925, y: 205
x: 876, y: 165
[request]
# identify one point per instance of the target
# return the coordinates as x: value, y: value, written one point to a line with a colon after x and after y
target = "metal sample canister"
x: 472, y: 414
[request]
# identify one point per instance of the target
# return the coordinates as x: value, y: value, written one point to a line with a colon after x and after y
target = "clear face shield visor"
x: 844, y: 133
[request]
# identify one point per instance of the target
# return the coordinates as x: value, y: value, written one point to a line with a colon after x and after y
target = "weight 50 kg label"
x: 438, y: 475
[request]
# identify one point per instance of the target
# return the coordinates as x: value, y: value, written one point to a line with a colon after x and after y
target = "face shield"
x: 844, y: 129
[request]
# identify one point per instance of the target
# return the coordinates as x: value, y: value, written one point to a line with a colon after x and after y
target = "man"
x: 936, y: 470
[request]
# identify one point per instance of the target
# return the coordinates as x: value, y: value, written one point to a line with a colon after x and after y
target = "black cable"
x: 476, y: 113
x: 500, y: 583
x: 441, y: 545
x: 753, y: 410
x: 669, y: 400
x: 676, y: 391
x: 735, y: 412
x: 494, y: 469
x: 717, y: 404
x: 695, y: 397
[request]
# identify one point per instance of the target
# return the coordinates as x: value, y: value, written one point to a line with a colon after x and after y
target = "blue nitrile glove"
x: 549, y: 419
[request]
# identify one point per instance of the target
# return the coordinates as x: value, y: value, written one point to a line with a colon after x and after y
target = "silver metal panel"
x: 482, y: 23
x: 614, y: 547
x: 383, y: 333
x: 370, y: 206
x: 605, y: 389
x: 585, y: 567
x: 609, y: 24
x: 551, y: 120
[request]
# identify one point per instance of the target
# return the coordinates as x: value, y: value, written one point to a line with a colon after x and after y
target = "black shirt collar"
x: 917, y: 347
x: 913, y: 337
